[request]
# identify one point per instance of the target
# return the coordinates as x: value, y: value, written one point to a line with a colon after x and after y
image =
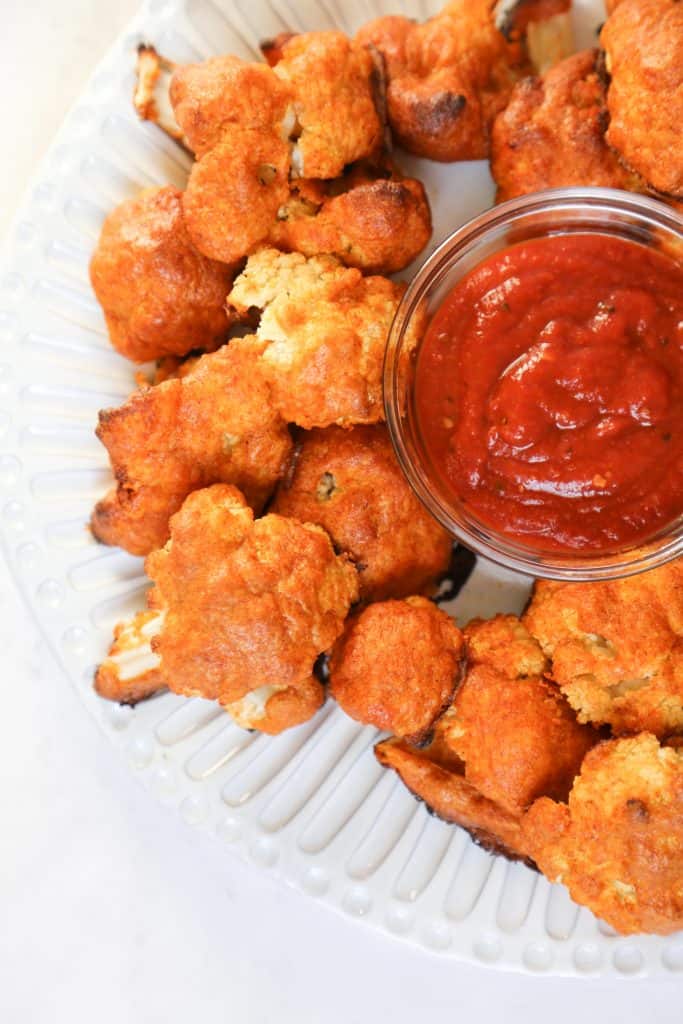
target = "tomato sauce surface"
x: 549, y: 392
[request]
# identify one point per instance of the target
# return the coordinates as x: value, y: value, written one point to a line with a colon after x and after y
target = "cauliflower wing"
x: 252, y: 127
x: 159, y: 294
x: 372, y: 218
x: 616, y: 647
x: 237, y: 117
x: 131, y: 672
x: 514, y: 731
x: 234, y: 193
x: 349, y: 482
x: 552, y: 133
x: 213, y: 98
x: 332, y: 79
x: 248, y: 604
x: 325, y: 327
x: 215, y: 424
x: 397, y: 665
x: 643, y: 44
x: 507, y: 738
x: 618, y: 843
x: 450, y: 76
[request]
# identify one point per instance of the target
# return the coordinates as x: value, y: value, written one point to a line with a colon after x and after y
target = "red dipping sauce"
x: 549, y: 392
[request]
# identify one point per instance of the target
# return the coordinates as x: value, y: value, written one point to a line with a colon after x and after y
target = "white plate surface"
x: 312, y: 805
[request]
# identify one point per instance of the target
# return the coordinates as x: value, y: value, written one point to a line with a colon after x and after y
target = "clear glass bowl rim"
x: 482, y: 539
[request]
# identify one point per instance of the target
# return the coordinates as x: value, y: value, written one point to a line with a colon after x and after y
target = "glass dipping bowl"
x: 602, y: 211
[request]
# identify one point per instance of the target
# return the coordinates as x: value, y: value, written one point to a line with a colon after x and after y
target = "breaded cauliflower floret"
x: 237, y: 117
x: 618, y: 843
x: 616, y: 647
x: 326, y: 327
x: 159, y: 294
x: 397, y: 665
x: 443, y: 78
x: 214, y: 97
x: 251, y: 127
x: 514, y: 731
x: 252, y: 130
x: 643, y: 44
x: 450, y: 76
x: 507, y: 738
x: 216, y: 424
x: 234, y: 193
x: 371, y: 218
x: 249, y: 604
x: 350, y: 483
x: 439, y: 782
x: 332, y: 81
x: 552, y: 133
x: 130, y: 672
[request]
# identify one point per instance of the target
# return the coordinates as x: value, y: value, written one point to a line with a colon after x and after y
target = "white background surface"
x: 111, y: 908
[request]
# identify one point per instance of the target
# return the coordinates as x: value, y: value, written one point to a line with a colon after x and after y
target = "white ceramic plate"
x: 312, y: 805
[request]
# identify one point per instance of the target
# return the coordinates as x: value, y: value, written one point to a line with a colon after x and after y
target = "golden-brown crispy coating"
x: 337, y: 120
x: 514, y: 731
x: 371, y: 218
x: 643, y: 44
x: 617, y: 647
x: 326, y: 327
x: 552, y: 133
x: 446, y: 792
x: 235, y: 191
x: 396, y: 666
x: 237, y: 117
x: 214, y: 97
x: 447, y: 78
x: 160, y: 296
x: 248, y: 604
x: 433, y: 112
x: 349, y: 482
x: 618, y: 843
x: 504, y: 645
x: 130, y: 672
x: 216, y: 424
